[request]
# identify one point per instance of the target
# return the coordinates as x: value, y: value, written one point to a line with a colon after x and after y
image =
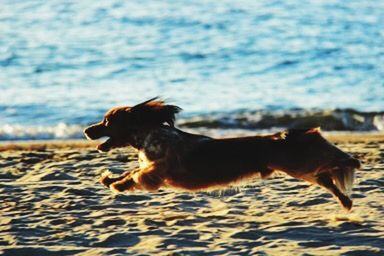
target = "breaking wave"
x: 60, y: 131
x: 331, y: 120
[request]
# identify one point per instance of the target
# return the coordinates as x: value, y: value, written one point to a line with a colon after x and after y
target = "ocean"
x: 251, y: 65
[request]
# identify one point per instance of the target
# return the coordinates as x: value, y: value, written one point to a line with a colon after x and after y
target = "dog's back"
x: 306, y: 150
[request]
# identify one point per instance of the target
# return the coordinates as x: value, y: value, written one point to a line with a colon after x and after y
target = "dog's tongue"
x: 105, y: 146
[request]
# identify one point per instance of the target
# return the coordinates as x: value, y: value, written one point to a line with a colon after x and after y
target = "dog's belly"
x: 211, y: 166
x: 207, y: 178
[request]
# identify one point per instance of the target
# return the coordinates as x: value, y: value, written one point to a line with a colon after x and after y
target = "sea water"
x: 228, y: 64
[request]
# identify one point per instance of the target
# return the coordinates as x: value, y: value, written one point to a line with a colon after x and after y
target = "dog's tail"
x: 344, y: 174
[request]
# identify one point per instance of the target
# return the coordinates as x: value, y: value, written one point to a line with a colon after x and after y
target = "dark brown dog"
x: 170, y: 157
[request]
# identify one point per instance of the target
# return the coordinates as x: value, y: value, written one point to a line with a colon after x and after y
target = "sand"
x: 52, y: 204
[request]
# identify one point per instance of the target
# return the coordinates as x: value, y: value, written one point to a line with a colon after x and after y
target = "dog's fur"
x: 169, y: 157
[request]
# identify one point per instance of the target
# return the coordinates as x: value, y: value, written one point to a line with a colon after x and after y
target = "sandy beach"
x: 52, y: 204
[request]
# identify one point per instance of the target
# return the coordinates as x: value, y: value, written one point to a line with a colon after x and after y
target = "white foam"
x: 58, y: 131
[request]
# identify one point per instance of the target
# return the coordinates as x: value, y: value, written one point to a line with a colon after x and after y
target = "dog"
x: 170, y: 157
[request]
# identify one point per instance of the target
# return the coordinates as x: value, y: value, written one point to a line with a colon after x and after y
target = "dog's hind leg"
x: 325, y: 181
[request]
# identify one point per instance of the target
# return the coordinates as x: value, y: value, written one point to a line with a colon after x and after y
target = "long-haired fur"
x: 169, y: 157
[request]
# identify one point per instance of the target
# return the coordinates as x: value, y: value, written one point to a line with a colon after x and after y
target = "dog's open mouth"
x: 97, y: 131
x: 111, y: 143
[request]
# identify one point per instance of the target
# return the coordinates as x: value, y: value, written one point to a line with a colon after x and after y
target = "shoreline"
x: 83, y: 143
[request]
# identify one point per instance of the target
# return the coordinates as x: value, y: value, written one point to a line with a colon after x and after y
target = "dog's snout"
x: 94, y: 132
x: 86, y: 133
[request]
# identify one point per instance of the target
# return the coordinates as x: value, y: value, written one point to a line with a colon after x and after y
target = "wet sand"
x: 52, y: 204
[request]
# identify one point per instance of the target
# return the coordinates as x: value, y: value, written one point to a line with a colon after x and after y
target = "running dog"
x: 169, y: 157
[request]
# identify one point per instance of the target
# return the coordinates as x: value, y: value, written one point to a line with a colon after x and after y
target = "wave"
x: 59, y: 131
x: 330, y: 120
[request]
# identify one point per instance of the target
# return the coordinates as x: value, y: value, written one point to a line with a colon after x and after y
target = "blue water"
x: 64, y: 63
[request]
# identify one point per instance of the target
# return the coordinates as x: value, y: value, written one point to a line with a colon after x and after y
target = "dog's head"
x: 121, y: 124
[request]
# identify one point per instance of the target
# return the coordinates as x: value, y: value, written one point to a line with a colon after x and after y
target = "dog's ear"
x: 155, y: 112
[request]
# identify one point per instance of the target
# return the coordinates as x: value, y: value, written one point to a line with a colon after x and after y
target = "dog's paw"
x: 123, y: 185
x: 106, y: 179
x: 346, y: 203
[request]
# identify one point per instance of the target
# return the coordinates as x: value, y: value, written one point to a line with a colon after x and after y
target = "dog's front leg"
x: 107, y: 180
x: 149, y: 179
x: 126, y: 184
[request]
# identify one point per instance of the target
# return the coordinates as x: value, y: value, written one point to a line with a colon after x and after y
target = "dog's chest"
x: 143, y: 160
x: 156, y: 144
x: 152, y: 151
